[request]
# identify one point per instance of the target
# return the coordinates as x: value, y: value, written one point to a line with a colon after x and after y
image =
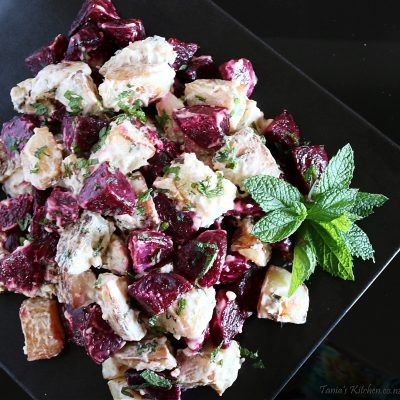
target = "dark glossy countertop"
x: 353, y: 50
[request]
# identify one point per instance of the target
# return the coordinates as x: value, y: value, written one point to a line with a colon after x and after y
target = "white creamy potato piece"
x: 73, y: 174
x: 116, y: 385
x: 154, y: 354
x: 8, y: 165
x: 126, y: 146
x: 165, y: 107
x: 41, y: 159
x: 152, y: 50
x: 217, y: 92
x: 82, y: 244
x: 191, y: 320
x: 111, y: 369
x: 249, y: 246
x: 144, y: 82
x: 79, y: 89
x: 251, y: 115
x: 274, y: 302
x: 17, y: 184
x: 195, y: 186
x: 244, y: 155
x: 145, y: 216
x: 116, y: 257
x: 200, y: 369
x: 112, y: 297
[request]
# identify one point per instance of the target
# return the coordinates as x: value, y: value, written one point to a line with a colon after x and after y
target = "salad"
x: 151, y: 208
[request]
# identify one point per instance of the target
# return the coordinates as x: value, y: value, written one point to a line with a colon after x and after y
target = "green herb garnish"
x: 40, y: 109
x: 164, y: 226
x: 75, y: 101
x: 103, y: 133
x: 152, y: 380
x: 133, y: 110
x: 24, y: 223
x: 41, y: 151
x: 175, y: 170
x: 200, y: 98
x: 210, y: 257
x: 214, y: 353
x: 35, y: 169
x: 162, y: 120
x: 252, y: 355
x: 227, y: 156
x: 181, y: 305
x: 145, y: 196
x: 204, y: 186
x: 144, y: 348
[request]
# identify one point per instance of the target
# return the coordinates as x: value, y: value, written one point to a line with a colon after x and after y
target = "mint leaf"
x: 365, y: 203
x: 332, y: 252
x: 343, y: 223
x: 332, y: 204
x: 156, y: 380
x: 272, y: 193
x: 358, y: 243
x: 280, y: 224
x: 304, y: 259
x: 338, y: 174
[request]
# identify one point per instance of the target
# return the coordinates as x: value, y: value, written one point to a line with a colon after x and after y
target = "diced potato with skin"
x: 251, y: 115
x: 190, y: 321
x: 82, y: 244
x: 198, y: 369
x: 76, y: 290
x: 72, y: 177
x: 186, y: 176
x: 217, y: 92
x: 146, y: 217
x: 244, y: 155
x: 152, y: 50
x: 116, y: 385
x: 17, y: 184
x: 165, y: 107
x: 112, y: 369
x: 8, y: 165
x: 43, y: 332
x: 126, y: 147
x: 249, y: 246
x: 116, y: 258
x: 83, y: 86
x: 112, y: 296
x: 154, y: 354
x: 41, y: 159
x: 274, y: 302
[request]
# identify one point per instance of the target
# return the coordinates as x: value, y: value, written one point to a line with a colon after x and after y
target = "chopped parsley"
x: 97, y: 282
x: 24, y: 223
x: 200, y: 98
x: 35, y: 169
x: 145, y: 196
x: 204, y: 186
x: 144, y: 348
x: 227, y: 156
x: 75, y: 101
x: 236, y: 101
x: 153, y: 321
x: 164, y: 226
x: 133, y: 110
x: 140, y: 210
x: 162, y: 119
x: 181, y: 305
x: 214, y: 353
x: 40, y: 109
x: 175, y: 170
x: 86, y: 164
x: 41, y: 151
x: 293, y: 137
x: 103, y: 133
x: 44, y: 221
x: 76, y: 149
x: 210, y: 257
x: 252, y: 355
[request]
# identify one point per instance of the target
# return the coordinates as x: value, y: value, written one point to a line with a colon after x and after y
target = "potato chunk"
x: 43, y: 332
x: 116, y: 385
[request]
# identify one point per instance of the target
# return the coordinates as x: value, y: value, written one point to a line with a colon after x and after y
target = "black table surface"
x: 353, y: 50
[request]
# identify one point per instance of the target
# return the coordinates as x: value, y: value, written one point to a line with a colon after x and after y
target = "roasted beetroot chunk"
x: 13, y: 239
x: 202, y: 67
x: 98, y: 337
x: 19, y: 273
x: 13, y: 211
x: 283, y: 130
x: 228, y: 318
x: 52, y: 53
x: 155, y: 292
x: 309, y: 163
x: 244, y: 207
x: 205, y: 125
x: 148, y: 248
x: 180, y: 223
x: 201, y: 260
x: 17, y: 131
x: 240, y: 70
x: 108, y: 192
x: 80, y: 133
x: 62, y: 207
x: 74, y: 321
x: 234, y: 267
x: 94, y: 11
x: 184, y: 52
x: 123, y: 31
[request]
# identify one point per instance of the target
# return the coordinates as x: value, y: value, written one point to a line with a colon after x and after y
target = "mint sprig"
x: 323, y: 221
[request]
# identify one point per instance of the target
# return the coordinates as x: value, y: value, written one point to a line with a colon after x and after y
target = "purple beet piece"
x: 95, y: 11
x: 13, y: 239
x: 205, y: 125
x: 123, y: 31
x: 74, y: 321
x: 14, y: 210
x: 40, y: 197
x: 148, y: 248
x: 17, y: 131
x: 201, y: 260
x: 108, y: 192
x: 180, y: 223
x: 283, y: 130
x: 284, y: 248
x: 184, y: 52
x: 98, y: 337
x: 244, y: 207
x: 240, y: 70
x: 19, y: 273
x: 227, y: 320
x: 155, y: 292
x: 202, y: 67
x: 234, y: 267
x: 248, y: 288
x: 309, y: 163
x: 52, y: 53
x: 80, y: 133
x: 62, y: 207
